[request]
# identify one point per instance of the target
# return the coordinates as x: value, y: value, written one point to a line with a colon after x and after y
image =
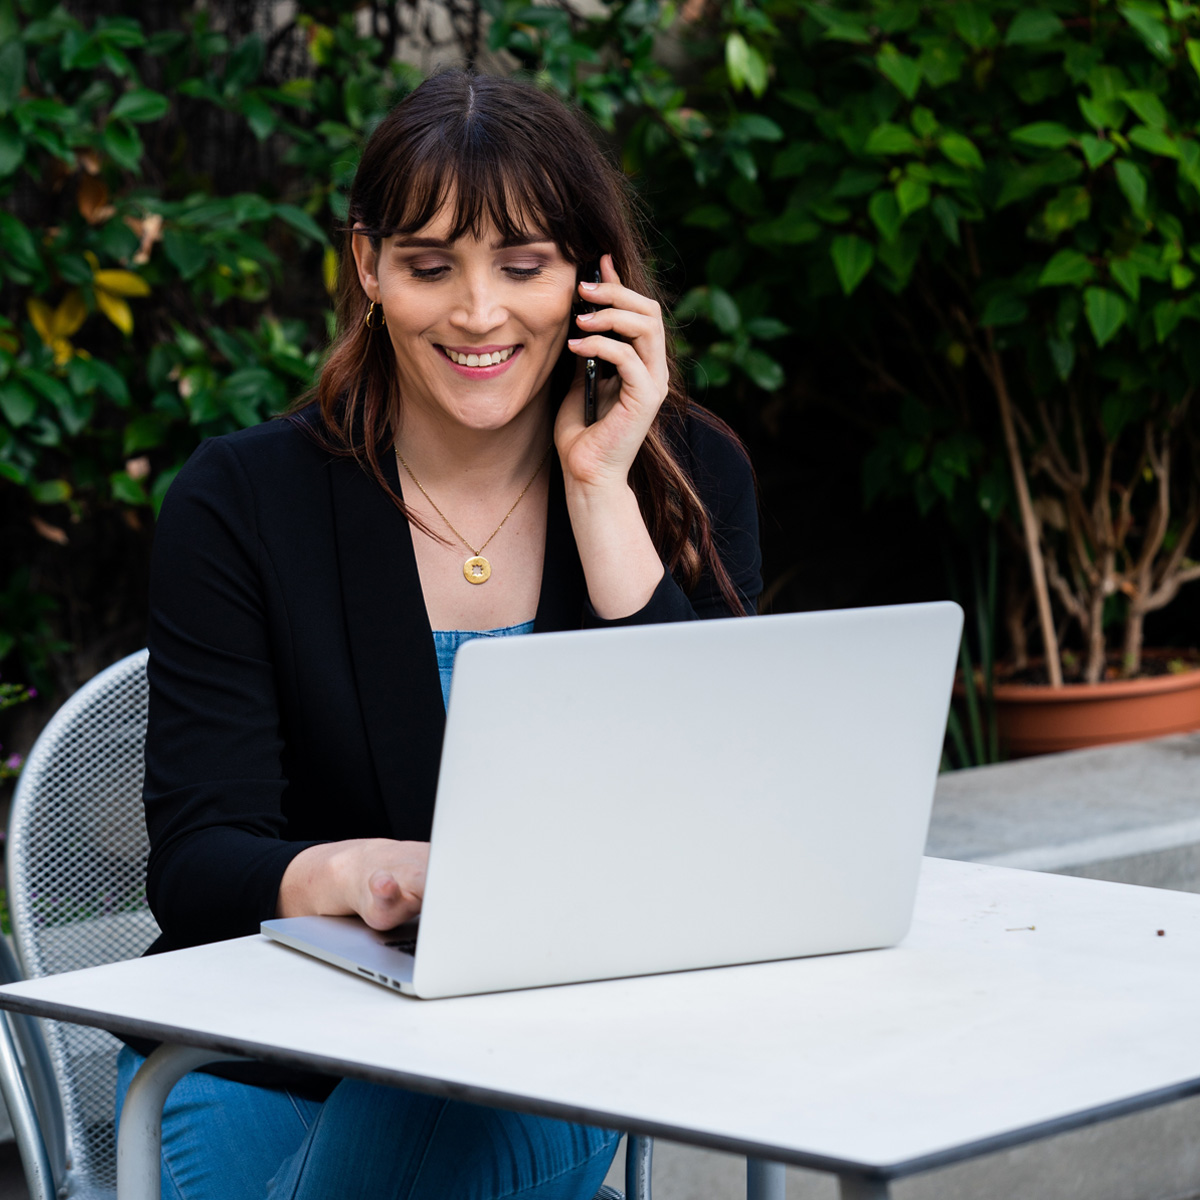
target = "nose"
x: 478, y: 308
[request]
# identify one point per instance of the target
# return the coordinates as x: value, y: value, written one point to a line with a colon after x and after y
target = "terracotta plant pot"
x: 1038, y: 719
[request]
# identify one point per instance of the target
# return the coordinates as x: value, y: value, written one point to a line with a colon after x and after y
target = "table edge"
x: 152, y: 1030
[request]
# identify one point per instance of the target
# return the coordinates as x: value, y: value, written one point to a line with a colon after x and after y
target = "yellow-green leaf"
x: 116, y: 310
x: 121, y: 283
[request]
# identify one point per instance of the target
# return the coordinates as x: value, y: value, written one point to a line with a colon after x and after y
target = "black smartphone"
x: 589, y: 273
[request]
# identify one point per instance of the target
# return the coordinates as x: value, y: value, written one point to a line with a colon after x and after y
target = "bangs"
x: 502, y: 170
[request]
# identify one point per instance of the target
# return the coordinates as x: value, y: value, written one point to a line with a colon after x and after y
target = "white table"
x: 1019, y: 1006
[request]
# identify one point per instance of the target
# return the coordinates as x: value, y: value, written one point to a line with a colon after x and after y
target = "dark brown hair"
x: 505, y: 154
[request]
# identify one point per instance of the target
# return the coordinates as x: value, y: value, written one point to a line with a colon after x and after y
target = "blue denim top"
x: 447, y: 641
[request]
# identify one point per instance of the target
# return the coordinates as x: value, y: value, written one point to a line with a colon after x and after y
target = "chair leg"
x: 139, y: 1139
x: 639, y: 1151
x: 30, y: 1143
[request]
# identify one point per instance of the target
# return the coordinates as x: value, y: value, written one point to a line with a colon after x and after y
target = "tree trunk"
x: 1029, y: 522
x: 1131, y: 656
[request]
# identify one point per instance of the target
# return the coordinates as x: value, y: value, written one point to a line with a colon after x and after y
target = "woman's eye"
x: 524, y: 272
x: 428, y: 272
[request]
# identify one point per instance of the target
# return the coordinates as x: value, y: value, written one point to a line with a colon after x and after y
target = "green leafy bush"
x: 166, y: 205
x: 988, y: 210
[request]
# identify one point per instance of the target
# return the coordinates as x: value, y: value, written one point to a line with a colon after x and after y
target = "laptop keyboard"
x: 406, y: 945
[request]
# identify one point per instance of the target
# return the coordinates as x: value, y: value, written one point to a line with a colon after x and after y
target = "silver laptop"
x: 667, y: 797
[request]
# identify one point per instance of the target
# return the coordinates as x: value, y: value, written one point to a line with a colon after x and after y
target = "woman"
x: 309, y: 590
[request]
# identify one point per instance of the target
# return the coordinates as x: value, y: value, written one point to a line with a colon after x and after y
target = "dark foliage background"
x: 856, y: 204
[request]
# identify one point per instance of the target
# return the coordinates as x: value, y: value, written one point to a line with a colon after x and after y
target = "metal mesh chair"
x: 76, y: 884
x: 76, y: 866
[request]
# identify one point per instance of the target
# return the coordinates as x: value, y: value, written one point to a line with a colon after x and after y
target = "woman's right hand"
x: 380, y: 880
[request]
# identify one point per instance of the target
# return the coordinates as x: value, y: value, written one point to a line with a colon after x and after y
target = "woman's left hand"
x: 598, y: 456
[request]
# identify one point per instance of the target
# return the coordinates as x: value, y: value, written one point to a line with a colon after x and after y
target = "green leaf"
x: 1066, y: 210
x: 1193, y: 53
x: 12, y: 148
x: 1062, y: 356
x: 1128, y: 276
x: 51, y: 491
x: 961, y: 151
x: 1147, y: 106
x: 299, y: 220
x: 1154, y: 141
x: 1066, y: 267
x: 763, y: 369
x: 87, y: 374
x: 144, y: 432
x: 911, y: 194
x: 141, y: 105
x: 1032, y: 25
x: 946, y: 212
x: 901, y: 71
x: 124, y: 144
x: 1105, y: 312
x: 724, y: 310
x: 53, y: 389
x: 12, y: 73
x: 17, y: 403
x: 1167, y: 314
x: 1150, y: 29
x: 1047, y: 134
x: 744, y: 65
x: 187, y: 254
x: 260, y: 116
x: 17, y: 244
x: 1102, y: 114
x: 1023, y: 181
x: 841, y: 26
x: 767, y: 329
x: 1004, y: 308
x: 245, y: 64
x: 1133, y: 184
x: 885, y: 213
x: 1096, y: 150
x: 120, y: 31
x: 249, y: 206
x: 756, y: 127
x: 973, y: 24
x: 852, y: 259
x: 891, y: 139
x: 126, y: 489
x: 924, y: 123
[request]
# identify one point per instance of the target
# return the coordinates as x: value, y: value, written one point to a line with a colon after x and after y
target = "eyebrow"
x: 428, y: 243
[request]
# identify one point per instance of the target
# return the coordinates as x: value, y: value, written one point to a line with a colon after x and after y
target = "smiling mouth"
x: 495, y: 358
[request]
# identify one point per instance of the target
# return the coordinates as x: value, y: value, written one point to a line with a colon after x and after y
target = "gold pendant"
x: 477, y: 569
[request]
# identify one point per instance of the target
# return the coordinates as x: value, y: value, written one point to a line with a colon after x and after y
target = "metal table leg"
x: 139, y: 1141
x: 863, y: 1187
x: 638, y: 1154
x: 765, y: 1180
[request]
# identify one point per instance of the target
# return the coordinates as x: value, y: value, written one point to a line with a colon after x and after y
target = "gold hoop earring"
x: 370, y: 321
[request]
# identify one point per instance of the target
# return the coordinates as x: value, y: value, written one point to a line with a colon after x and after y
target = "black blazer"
x: 294, y: 692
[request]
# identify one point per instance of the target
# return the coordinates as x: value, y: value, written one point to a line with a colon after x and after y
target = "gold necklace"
x: 476, y: 569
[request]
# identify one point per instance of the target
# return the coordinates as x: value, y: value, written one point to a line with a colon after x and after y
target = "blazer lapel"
x: 395, y: 664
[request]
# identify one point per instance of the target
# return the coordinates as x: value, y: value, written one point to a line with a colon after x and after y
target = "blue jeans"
x: 233, y: 1141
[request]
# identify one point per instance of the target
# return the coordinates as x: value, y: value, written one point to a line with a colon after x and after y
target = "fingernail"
x: 585, y: 316
x: 588, y: 286
x: 574, y: 341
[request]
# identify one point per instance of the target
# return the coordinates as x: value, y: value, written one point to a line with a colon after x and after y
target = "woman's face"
x: 477, y: 325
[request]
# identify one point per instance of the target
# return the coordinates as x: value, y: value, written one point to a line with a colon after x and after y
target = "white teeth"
x: 480, y: 360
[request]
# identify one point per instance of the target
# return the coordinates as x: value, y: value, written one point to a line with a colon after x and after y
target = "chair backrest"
x: 76, y: 864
